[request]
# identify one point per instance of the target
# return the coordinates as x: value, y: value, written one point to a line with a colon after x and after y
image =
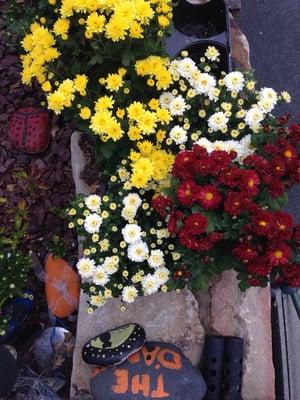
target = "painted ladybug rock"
x: 29, y: 130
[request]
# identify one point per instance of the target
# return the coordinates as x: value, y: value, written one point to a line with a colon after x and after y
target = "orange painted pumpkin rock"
x: 62, y: 287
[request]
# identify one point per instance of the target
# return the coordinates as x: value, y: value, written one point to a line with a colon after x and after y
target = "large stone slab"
x: 225, y: 311
x: 169, y: 317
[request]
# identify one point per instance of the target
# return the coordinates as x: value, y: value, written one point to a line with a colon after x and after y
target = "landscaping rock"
x: 158, y: 370
x: 240, y: 50
x: 78, y: 164
x: 114, y: 346
x: 232, y: 313
x: 171, y: 317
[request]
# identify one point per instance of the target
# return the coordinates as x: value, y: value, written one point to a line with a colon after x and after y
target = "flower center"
x: 288, y: 154
x: 278, y: 254
x: 187, y: 192
x: 209, y: 196
x: 262, y: 223
x: 251, y: 183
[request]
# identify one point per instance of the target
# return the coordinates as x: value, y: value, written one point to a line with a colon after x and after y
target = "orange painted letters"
x: 159, y: 392
x: 141, y: 383
x: 121, y: 386
x: 175, y: 363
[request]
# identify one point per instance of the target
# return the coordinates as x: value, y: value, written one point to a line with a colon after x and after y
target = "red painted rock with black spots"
x: 157, y: 371
x: 29, y: 129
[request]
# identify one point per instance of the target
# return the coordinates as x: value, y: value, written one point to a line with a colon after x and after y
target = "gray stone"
x: 169, y: 317
x: 248, y: 315
x: 78, y: 164
x: 158, y: 370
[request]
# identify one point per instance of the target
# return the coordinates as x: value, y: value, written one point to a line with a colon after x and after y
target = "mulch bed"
x: 36, y: 188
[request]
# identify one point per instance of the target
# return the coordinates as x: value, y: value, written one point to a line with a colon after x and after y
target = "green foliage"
x: 14, y: 269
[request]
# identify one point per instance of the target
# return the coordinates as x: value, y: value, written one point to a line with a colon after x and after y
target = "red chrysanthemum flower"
x: 175, y: 221
x: 209, y: 197
x: 259, y: 267
x: 188, y: 192
x: 254, y: 281
x: 276, y: 188
x: 162, y: 204
x: 278, y: 166
x: 249, y: 182
x: 289, y: 153
x: 294, y: 133
x: 195, y: 224
x: 263, y: 224
x: 220, y: 161
x: 258, y: 162
x: 230, y: 176
x: 284, y: 224
x: 245, y: 252
x: 271, y: 148
x: 183, y: 167
x: 279, y: 254
x: 291, y: 275
x: 234, y: 203
x: 296, y: 235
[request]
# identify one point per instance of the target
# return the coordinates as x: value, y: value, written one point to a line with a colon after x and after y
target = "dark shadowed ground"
x: 273, y: 30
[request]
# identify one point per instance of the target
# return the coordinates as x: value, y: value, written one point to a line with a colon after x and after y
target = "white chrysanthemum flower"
x: 178, y: 134
x: 86, y: 267
x: 128, y: 212
x: 205, y: 83
x: 123, y: 174
x: 211, y: 53
x: 156, y: 259
x: 268, y: 94
x: 92, y: 223
x: 165, y: 99
x: 138, y: 252
x: 97, y: 300
x: 150, y: 284
x: 186, y: 67
x: 207, y: 144
x: 286, y: 96
x: 93, y: 202
x: 246, y: 148
x: 218, y: 121
x: 132, y: 200
x: 132, y: 233
x: 177, y: 106
x: 234, y: 81
x: 111, y: 264
x: 254, y: 116
x: 162, y: 233
x: 129, y: 294
x: 214, y: 94
x: 100, y: 276
x: 266, y: 105
x: 162, y: 275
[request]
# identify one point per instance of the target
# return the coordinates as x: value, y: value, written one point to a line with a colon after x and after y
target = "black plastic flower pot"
x: 213, y: 366
x: 8, y: 372
x: 233, y: 368
x: 201, y: 25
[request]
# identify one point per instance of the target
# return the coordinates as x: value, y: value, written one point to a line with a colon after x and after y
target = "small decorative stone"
x: 157, y: 371
x: 115, y: 346
x: 29, y: 130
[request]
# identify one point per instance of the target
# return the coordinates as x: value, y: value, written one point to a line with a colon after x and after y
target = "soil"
x: 34, y: 190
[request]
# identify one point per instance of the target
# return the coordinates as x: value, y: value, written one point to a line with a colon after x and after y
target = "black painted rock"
x: 8, y: 372
x: 115, y: 346
x: 157, y: 371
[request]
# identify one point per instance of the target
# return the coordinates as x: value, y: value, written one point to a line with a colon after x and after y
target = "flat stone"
x: 78, y: 164
x: 240, y: 50
x: 169, y: 317
x: 158, y: 370
x: 232, y: 313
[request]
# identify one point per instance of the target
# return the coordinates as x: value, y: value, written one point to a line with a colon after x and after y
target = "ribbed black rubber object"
x: 232, y: 368
x: 213, y: 366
